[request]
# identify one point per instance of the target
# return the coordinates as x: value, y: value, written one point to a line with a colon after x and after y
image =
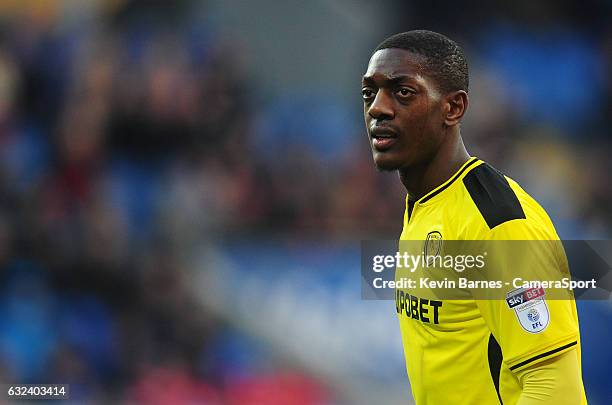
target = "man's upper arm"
x: 553, y: 381
x: 529, y: 326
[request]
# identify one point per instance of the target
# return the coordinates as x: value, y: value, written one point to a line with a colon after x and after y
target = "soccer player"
x: 415, y: 93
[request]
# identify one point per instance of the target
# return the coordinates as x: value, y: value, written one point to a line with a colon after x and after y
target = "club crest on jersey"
x: 433, y: 246
x: 530, y: 308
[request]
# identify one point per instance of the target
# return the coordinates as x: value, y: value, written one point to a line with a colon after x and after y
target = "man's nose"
x: 381, y: 107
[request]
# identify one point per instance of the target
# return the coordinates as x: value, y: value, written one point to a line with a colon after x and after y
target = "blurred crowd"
x: 123, y: 147
x: 126, y: 146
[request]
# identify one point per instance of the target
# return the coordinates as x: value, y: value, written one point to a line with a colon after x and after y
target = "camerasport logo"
x: 530, y: 308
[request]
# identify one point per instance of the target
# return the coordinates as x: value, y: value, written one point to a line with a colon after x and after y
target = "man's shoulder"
x: 493, y: 196
x: 500, y: 203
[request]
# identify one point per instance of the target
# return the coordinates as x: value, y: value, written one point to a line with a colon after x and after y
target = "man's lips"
x: 383, y: 138
x: 383, y: 132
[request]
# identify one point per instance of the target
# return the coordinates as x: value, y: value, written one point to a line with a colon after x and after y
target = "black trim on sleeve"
x: 539, y: 356
x: 452, y: 180
x: 495, y: 358
x: 493, y: 195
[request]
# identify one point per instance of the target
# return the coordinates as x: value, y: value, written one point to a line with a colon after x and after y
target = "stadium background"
x: 183, y: 187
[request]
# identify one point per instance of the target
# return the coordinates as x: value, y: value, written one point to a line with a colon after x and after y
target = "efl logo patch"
x: 530, y: 308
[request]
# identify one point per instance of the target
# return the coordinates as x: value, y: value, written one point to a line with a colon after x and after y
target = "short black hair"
x: 446, y: 62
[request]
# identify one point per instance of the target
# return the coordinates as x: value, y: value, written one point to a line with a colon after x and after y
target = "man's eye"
x: 367, y: 94
x: 405, y: 92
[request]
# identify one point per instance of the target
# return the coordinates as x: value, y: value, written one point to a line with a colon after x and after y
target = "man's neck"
x: 421, y: 179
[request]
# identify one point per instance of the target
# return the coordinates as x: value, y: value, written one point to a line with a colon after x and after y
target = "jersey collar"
x: 466, y: 167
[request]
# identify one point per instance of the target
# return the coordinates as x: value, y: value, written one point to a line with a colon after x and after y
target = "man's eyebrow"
x: 367, y: 80
x: 389, y: 80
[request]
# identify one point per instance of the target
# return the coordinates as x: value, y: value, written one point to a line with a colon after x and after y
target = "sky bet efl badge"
x: 530, y: 308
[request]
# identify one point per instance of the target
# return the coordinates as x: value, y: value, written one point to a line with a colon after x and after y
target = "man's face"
x: 402, y: 109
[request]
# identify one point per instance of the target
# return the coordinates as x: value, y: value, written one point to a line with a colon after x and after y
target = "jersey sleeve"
x: 555, y: 381
x: 530, y: 324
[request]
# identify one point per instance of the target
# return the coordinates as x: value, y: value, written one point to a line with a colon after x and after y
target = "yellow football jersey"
x: 468, y: 351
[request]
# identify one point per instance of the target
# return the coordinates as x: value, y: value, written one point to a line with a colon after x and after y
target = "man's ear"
x: 456, y: 104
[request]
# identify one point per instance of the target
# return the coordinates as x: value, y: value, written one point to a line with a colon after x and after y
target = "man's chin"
x: 386, y: 165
